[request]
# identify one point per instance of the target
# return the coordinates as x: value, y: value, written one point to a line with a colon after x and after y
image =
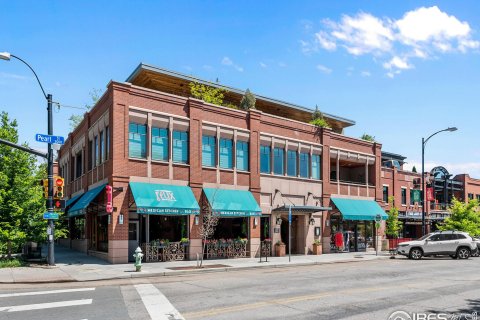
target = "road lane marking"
x: 34, y: 293
x: 261, y: 304
x: 49, y: 305
x: 157, y: 305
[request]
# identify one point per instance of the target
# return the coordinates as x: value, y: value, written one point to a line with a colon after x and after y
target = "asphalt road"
x: 362, y: 290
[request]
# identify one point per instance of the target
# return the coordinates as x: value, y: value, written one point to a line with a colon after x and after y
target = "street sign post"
x: 49, y: 138
x: 50, y: 215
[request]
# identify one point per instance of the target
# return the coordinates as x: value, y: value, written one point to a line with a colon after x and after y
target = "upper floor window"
x: 95, y: 152
x: 208, y: 151
x: 90, y: 155
x: 478, y: 197
x: 404, y: 196
x: 304, y: 165
x: 226, y: 153
x: 159, y: 144
x: 316, y: 166
x: 292, y: 163
x: 107, y: 142
x: 278, y: 161
x: 265, y: 159
x: 137, y: 140
x: 78, y: 165
x: 385, y: 193
x: 470, y: 196
x: 242, y: 155
x: 180, y: 146
x: 102, y: 147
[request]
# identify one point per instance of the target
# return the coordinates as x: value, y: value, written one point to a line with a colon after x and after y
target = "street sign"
x: 48, y: 215
x: 49, y: 139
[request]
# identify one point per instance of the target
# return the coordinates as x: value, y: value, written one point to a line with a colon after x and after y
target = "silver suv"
x: 456, y: 244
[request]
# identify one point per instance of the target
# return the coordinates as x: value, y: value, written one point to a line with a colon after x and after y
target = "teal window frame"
x: 404, y: 196
x: 265, y: 163
x: 160, y: 144
x: 241, y: 153
x: 279, y: 161
x: 304, y: 159
x: 226, y: 153
x: 292, y: 163
x: 180, y: 146
x: 385, y: 194
x: 316, y: 166
x: 137, y: 140
x: 209, y: 151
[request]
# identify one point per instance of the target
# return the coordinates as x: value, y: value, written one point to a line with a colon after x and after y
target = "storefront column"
x: 118, y: 233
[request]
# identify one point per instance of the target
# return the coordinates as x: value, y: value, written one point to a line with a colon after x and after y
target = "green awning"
x: 72, y: 200
x: 356, y: 209
x: 164, y: 199
x: 232, y: 203
x: 80, y: 206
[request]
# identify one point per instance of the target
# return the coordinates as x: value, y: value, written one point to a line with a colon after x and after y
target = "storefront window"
x: 160, y: 144
x: 278, y: 161
x: 208, y: 151
x: 102, y: 233
x: 77, y: 230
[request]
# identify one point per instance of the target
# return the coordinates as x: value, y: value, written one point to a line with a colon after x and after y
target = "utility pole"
x: 51, y: 225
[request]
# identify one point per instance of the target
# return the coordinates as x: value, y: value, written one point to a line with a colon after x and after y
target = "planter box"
x: 280, y: 250
x: 317, y: 249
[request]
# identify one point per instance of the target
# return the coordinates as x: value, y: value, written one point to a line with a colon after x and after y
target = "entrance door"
x: 133, y: 238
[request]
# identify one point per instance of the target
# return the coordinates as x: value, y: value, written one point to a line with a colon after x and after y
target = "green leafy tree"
x: 393, y: 225
x: 207, y: 93
x: 76, y: 119
x: 21, y: 196
x: 464, y: 217
x: 318, y: 119
x: 248, y: 101
x: 368, y: 137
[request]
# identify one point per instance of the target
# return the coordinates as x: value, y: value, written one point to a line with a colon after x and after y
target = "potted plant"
x: 184, y: 241
x: 317, y: 247
x: 280, y: 249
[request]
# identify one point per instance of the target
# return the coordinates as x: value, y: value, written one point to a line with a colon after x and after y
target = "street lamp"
x: 51, y: 259
x: 424, y: 141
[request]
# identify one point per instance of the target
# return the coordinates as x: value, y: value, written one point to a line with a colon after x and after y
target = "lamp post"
x: 51, y: 227
x: 424, y: 141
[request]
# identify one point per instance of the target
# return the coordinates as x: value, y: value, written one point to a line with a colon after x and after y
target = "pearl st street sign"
x: 49, y: 139
x: 50, y: 215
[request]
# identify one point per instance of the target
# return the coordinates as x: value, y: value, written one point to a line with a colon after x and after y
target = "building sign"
x: 416, y: 223
x: 430, y: 196
x: 164, y: 195
x: 416, y: 195
x: 166, y: 211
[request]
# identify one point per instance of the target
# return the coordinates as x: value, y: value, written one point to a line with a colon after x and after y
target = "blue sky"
x: 400, y: 69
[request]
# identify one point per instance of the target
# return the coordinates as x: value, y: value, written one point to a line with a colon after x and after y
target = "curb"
x: 138, y: 275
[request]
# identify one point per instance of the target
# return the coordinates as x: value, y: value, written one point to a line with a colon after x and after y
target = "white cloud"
x: 207, y: 67
x: 13, y: 76
x: 282, y: 64
x: 324, y: 69
x: 365, y: 74
x: 421, y: 33
x: 263, y: 65
x: 226, y: 61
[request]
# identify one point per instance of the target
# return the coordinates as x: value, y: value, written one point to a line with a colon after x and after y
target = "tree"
x: 76, y: 119
x: 318, y: 119
x: 393, y: 226
x: 21, y: 196
x: 464, y: 217
x: 248, y: 101
x: 207, y: 93
x: 414, y: 169
x: 368, y: 137
x: 210, y: 221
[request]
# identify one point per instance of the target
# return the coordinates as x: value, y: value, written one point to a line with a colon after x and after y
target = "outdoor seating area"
x: 226, y: 248
x: 165, y: 251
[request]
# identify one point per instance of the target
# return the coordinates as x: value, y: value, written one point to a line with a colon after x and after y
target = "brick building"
x: 170, y: 158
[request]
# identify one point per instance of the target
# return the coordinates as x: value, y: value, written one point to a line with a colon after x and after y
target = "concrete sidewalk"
x: 72, y: 266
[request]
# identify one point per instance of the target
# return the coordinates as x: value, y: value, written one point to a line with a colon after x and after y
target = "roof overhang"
x: 172, y: 82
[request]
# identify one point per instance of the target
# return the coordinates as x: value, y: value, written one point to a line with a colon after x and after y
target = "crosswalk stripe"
x: 34, y: 293
x: 48, y: 305
x: 157, y: 305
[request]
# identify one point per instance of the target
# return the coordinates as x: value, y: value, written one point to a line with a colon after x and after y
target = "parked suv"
x: 456, y: 244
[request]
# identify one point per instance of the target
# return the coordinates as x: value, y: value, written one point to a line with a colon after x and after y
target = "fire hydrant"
x: 138, y: 255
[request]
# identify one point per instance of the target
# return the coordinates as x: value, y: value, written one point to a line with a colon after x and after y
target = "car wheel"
x: 463, y: 253
x: 416, y: 254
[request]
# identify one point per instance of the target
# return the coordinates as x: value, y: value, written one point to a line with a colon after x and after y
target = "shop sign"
x: 416, y: 223
x: 164, y: 195
x: 430, y: 196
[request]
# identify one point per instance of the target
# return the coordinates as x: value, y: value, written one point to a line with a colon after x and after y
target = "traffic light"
x: 59, y: 204
x: 44, y: 184
x: 58, y: 187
